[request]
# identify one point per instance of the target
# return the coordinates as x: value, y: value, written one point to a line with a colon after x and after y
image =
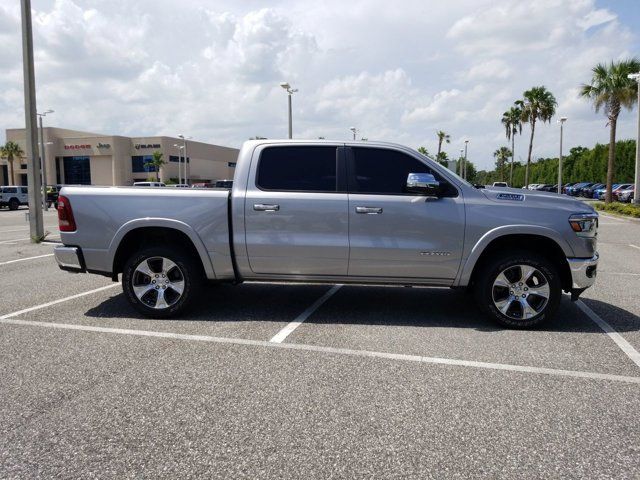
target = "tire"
x: 173, y: 269
x: 531, y: 293
x: 14, y: 204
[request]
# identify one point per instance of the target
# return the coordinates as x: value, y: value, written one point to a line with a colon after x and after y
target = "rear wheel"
x: 161, y: 282
x: 518, y: 289
x: 14, y: 204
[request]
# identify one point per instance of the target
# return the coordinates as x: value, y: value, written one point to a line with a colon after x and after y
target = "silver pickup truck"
x: 334, y: 212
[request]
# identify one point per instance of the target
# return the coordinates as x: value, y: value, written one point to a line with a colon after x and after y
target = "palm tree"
x: 538, y: 104
x: 10, y: 151
x: 610, y: 90
x: 442, y: 137
x: 512, y: 121
x: 502, y: 156
x: 156, y: 162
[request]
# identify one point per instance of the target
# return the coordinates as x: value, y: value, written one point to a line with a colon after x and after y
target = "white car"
x: 148, y: 184
x: 13, y: 197
x: 500, y: 184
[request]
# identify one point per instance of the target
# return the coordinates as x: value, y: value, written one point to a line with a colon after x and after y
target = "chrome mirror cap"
x: 423, y: 183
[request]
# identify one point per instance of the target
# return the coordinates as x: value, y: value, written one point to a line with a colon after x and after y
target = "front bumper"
x: 583, y: 271
x: 69, y: 258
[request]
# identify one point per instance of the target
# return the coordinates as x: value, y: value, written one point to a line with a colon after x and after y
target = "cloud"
x: 212, y: 71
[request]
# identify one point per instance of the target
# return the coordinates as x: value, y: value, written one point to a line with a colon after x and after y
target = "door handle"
x: 263, y: 207
x: 369, y: 210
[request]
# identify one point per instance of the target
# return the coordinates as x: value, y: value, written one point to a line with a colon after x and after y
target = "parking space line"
x: 286, y: 331
x: 14, y: 240
x: 634, y: 246
x: 328, y: 350
x: 55, y: 302
x: 625, y: 346
x: 26, y: 258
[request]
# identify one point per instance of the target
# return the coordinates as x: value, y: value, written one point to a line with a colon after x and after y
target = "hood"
x: 536, y: 198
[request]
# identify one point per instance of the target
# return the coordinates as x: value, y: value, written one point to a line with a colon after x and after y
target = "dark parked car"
x: 588, y: 192
x: 599, y: 193
x: 547, y: 187
x: 576, y: 190
x: 566, y: 186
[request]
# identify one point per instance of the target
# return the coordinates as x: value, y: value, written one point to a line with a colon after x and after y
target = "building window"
x: 77, y: 170
x: 231, y: 164
x: 174, y: 158
x: 138, y: 164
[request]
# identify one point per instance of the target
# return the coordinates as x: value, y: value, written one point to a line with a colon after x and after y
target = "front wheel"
x: 518, y: 289
x: 161, y: 282
x: 14, y: 204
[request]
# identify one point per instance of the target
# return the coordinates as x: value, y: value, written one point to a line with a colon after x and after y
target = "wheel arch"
x: 540, y: 241
x: 132, y: 235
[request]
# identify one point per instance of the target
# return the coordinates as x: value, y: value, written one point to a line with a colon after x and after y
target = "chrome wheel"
x: 158, y: 282
x: 520, y: 292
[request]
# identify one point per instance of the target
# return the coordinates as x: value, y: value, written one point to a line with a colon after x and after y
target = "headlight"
x: 584, y: 224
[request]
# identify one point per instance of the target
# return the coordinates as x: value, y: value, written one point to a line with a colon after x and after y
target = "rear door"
x: 397, y: 234
x: 296, y: 217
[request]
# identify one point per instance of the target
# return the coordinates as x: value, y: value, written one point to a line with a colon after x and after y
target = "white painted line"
x: 26, y: 258
x: 286, y: 331
x: 25, y: 230
x: 15, y: 240
x: 634, y: 246
x: 328, y: 350
x: 55, y: 302
x: 625, y: 346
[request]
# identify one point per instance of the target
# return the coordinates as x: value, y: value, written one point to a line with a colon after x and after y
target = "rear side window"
x: 303, y: 169
x: 381, y: 171
x: 23, y: 190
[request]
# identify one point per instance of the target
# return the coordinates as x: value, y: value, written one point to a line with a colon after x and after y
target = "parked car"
x: 599, y: 193
x: 500, y: 184
x: 589, y: 191
x: 614, y: 189
x: 624, y: 195
x: 179, y: 185
x: 576, y: 190
x: 149, y: 184
x: 13, y: 196
x: 544, y: 187
x: 533, y: 186
x: 297, y: 213
x: 566, y: 186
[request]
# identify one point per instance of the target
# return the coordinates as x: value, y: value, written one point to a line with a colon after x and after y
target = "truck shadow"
x: 352, y: 304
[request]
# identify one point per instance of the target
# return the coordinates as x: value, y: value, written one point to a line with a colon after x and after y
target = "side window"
x: 305, y: 169
x: 11, y: 190
x: 377, y: 170
x: 23, y: 190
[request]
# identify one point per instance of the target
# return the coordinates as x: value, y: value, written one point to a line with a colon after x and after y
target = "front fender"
x: 163, y: 223
x: 479, y: 247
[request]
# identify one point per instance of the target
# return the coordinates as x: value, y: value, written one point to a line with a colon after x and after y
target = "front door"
x: 397, y: 234
x: 296, y: 216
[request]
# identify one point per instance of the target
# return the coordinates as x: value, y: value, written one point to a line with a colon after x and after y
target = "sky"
x: 397, y: 71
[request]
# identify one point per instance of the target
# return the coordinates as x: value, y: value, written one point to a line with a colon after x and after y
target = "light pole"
x: 36, y: 227
x: 186, y: 159
x: 466, y: 143
x: 290, y: 91
x: 354, y: 130
x: 636, y: 177
x: 179, y: 147
x: 561, y: 122
x: 461, y: 166
x: 43, y: 161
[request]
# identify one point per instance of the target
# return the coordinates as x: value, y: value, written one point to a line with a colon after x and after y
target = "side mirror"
x: 423, y: 184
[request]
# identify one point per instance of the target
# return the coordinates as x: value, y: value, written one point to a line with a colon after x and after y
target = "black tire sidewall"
x: 14, y: 204
x: 484, y: 287
x: 190, y: 271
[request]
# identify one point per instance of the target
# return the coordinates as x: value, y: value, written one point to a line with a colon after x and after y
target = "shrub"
x: 627, y: 209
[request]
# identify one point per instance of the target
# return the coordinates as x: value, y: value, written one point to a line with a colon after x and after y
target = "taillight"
x: 66, y: 222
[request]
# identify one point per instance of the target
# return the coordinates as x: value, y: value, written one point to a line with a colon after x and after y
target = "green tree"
x: 442, y: 137
x: 11, y: 151
x: 156, y: 163
x: 512, y: 121
x: 610, y: 90
x: 423, y: 151
x: 538, y: 104
x: 502, y: 157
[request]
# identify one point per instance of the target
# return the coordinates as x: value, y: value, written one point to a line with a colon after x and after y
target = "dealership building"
x: 82, y: 158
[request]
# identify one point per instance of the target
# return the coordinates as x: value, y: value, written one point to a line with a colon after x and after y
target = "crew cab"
x: 334, y: 212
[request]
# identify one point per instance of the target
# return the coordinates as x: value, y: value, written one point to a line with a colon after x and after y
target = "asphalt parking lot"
x: 291, y: 381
